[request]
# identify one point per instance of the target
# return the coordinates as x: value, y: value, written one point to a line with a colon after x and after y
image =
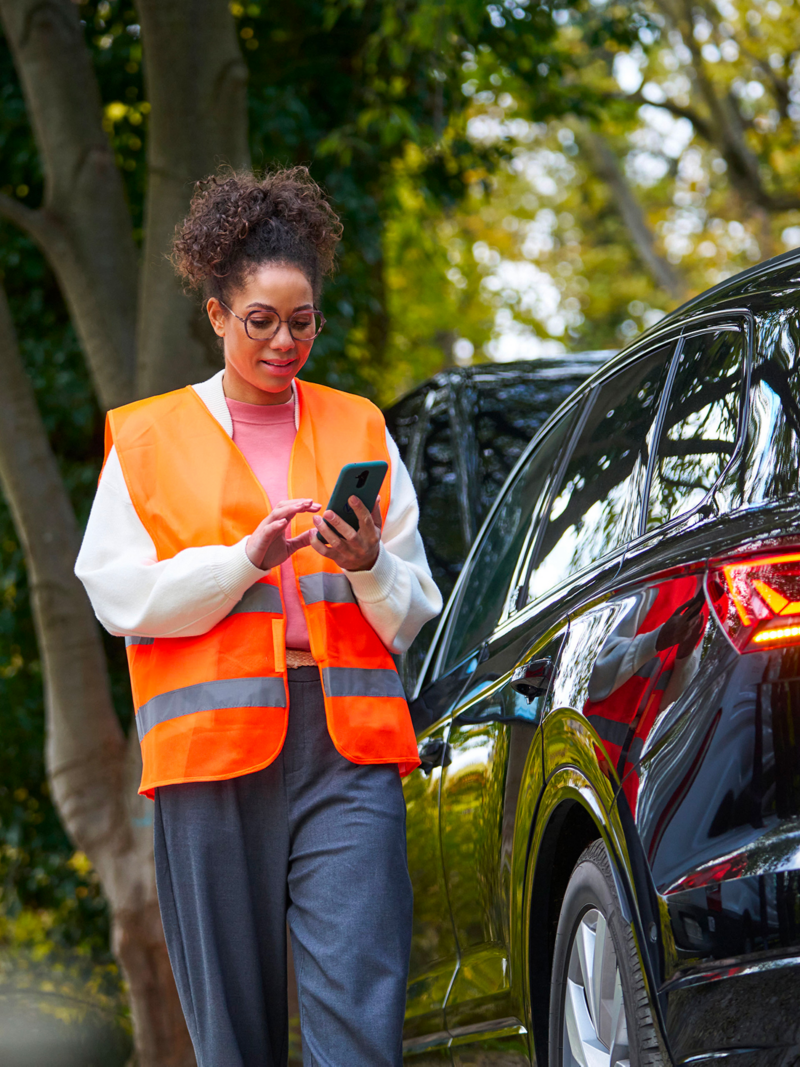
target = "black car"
x: 604, y: 835
x: 460, y: 435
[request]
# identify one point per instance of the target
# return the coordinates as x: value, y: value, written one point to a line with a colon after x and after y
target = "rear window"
x: 772, y: 449
x: 701, y: 425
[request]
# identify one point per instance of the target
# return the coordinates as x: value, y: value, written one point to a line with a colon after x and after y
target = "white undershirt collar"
x: 213, y: 396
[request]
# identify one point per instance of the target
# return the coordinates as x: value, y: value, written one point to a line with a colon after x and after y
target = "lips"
x: 275, y: 365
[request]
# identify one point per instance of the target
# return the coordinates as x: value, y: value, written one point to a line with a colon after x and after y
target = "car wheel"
x: 599, y: 1011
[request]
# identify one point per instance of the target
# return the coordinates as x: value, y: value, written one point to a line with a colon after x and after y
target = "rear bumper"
x: 745, y: 1013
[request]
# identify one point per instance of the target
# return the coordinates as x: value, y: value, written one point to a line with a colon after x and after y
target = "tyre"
x: 599, y: 1011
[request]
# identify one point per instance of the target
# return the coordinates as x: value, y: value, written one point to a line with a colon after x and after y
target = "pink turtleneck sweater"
x: 265, y: 433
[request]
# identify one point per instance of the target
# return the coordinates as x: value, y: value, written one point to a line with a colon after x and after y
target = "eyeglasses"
x: 261, y: 325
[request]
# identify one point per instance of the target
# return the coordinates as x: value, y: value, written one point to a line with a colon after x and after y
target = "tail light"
x: 758, y: 601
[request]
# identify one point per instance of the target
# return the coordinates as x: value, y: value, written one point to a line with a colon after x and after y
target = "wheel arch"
x: 570, y: 817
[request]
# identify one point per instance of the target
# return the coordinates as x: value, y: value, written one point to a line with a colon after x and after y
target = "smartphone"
x: 363, y: 480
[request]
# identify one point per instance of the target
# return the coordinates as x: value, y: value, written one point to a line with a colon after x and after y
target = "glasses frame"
x: 274, y: 334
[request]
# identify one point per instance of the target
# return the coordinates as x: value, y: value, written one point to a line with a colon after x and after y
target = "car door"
x: 589, y: 516
x: 434, y: 954
x: 461, y: 672
x: 495, y: 765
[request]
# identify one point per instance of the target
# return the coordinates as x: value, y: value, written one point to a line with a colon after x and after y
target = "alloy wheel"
x: 595, y: 1025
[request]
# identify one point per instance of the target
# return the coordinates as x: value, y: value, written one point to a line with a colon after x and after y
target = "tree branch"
x: 725, y: 129
x: 606, y: 166
x: 689, y: 113
x: 88, y: 239
x: 196, y: 83
x: 28, y: 219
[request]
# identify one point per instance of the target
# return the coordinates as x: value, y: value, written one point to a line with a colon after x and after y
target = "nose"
x: 283, y: 340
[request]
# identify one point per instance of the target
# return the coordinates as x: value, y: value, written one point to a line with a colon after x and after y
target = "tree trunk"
x: 196, y: 84
x: 606, y: 166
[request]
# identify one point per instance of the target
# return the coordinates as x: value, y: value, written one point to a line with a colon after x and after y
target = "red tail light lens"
x: 758, y: 601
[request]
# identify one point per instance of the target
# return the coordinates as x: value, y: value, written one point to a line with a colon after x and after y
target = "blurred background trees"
x: 515, y: 179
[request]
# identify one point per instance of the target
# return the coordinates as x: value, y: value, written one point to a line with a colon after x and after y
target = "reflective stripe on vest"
x: 215, y: 705
x: 331, y: 588
x: 138, y: 641
x: 261, y: 598
x: 361, y: 682
x: 210, y: 696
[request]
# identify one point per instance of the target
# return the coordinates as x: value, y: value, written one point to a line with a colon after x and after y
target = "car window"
x: 510, y: 407
x: 772, y: 463
x: 700, y: 426
x: 487, y: 586
x: 596, y: 507
x: 437, y: 491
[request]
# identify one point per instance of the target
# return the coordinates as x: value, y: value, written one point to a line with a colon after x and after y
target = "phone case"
x: 363, y: 480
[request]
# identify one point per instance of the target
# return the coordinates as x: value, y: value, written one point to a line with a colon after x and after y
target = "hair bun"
x: 237, y: 222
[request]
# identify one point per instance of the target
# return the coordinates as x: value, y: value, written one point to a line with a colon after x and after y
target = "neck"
x: 236, y: 388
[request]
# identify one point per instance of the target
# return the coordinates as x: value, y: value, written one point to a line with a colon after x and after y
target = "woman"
x: 271, y: 718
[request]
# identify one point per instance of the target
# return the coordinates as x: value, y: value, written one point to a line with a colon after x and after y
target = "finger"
x: 318, y: 546
x: 365, y: 520
x: 290, y: 508
x: 268, y: 530
x: 327, y: 533
x: 302, y: 540
x: 376, y: 514
x: 344, y: 529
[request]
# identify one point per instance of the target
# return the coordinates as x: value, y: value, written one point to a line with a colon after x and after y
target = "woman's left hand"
x: 355, y: 550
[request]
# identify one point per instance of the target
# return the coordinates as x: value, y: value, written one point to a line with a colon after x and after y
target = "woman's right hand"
x: 268, y: 546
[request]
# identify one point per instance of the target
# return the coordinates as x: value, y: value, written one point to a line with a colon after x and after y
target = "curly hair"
x: 237, y: 222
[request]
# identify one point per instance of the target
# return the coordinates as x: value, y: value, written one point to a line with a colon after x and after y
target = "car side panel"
x: 434, y: 955
x: 494, y: 766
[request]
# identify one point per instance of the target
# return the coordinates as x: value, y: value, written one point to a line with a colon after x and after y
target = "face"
x: 261, y: 372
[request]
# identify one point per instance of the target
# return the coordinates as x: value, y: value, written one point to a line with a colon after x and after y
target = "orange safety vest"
x: 216, y: 706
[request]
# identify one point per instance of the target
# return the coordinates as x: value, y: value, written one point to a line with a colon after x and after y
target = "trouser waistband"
x: 303, y: 674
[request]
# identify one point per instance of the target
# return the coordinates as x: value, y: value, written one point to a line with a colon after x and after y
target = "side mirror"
x: 521, y: 700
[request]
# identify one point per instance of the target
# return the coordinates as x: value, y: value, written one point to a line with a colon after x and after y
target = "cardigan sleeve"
x: 135, y: 594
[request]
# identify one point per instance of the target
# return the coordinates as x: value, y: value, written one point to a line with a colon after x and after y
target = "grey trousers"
x: 313, y: 839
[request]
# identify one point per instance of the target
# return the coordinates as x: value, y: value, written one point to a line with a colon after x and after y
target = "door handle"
x: 532, y: 679
x: 434, y: 753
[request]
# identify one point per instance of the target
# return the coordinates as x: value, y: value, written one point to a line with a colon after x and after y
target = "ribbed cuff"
x: 237, y: 573
x: 377, y: 584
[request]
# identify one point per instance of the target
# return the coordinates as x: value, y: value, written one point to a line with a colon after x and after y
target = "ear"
x: 217, y: 315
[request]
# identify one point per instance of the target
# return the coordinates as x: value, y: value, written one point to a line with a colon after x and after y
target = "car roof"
x: 543, y: 368
x: 766, y: 275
